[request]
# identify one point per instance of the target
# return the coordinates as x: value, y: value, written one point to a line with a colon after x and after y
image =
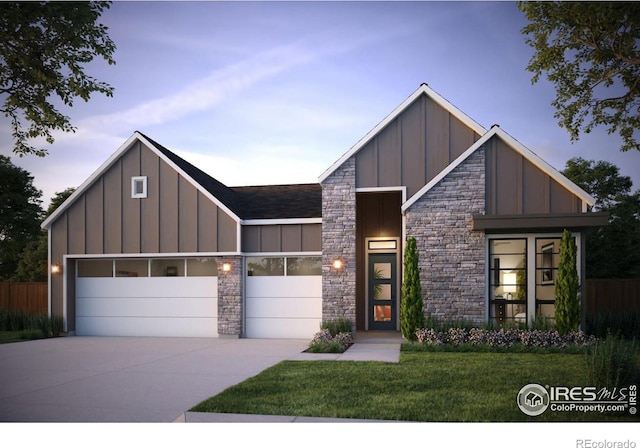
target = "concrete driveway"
x: 96, y: 379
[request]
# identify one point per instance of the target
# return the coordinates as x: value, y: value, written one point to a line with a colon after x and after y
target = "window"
x: 202, y: 267
x: 139, y: 187
x: 508, y: 280
x: 95, y: 268
x: 132, y: 268
x: 304, y: 265
x: 547, y: 262
x: 167, y: 268
x: 265, y: 266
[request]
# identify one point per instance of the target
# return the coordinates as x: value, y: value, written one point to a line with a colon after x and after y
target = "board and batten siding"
x: 515, y: 186
x: 414, y: 148
x: 282, y: 238
x: 174, y: 217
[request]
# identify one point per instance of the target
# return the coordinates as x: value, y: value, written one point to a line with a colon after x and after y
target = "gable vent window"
x: 139, y: 187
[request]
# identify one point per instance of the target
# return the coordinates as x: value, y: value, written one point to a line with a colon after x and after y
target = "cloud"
x: 222, y: 83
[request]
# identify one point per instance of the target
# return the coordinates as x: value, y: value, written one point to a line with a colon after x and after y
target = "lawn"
x: 17, y: 336
x: 424, y: 386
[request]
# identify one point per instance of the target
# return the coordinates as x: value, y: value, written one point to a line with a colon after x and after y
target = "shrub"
x: 324, y: 342
x: 567, y: 300
x: 624, y: 324
x: 503, y: 338
x: 22, y: 321
x: 336, y: 326
x: 411, y: 313
x: 611, y: 362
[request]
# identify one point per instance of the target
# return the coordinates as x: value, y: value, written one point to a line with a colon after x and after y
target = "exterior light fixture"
x: 226, y: 267
x: 56, y: 269
x: 337, y: 264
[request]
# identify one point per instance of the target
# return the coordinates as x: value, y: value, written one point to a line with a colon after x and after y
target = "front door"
x: 382, y: 291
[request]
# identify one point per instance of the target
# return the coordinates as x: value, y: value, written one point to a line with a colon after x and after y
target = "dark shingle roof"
x: 257, y: 202
x: 280, y: 201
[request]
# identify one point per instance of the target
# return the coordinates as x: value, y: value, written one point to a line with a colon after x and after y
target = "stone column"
x: 339, y: 243
x: 451, y: 254
x: 230, y: 297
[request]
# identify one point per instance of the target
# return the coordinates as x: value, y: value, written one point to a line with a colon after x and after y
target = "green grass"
x: 18, y: 336
x: 435, y: 387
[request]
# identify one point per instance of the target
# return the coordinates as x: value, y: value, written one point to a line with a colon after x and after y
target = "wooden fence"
x: 31, y: 297
x: 615, y: 295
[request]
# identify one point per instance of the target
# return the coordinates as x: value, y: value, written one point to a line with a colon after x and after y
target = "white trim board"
x: 519, y: 148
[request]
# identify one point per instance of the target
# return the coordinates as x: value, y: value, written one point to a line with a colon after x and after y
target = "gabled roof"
x: 518, y: 147
x: 424, y: 89
x: 258, y: 202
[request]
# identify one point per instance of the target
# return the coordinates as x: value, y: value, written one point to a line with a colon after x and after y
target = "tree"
x: 590, y: 53
x: 602, y: 180
x: 567, y: 300
x: 612, y: 251
x: 34, y: 260
x: 411, y: 313
x: 43, y: 47
x: 20, y: 215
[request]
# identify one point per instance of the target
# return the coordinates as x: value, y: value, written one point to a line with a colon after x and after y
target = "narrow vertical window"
x: 139, y: 187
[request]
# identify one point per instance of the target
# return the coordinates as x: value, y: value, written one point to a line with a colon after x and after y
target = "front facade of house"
x: 150, y: 245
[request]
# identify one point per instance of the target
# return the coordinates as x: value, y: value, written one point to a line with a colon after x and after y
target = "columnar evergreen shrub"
x: 567, y: 305
x: 411, y: 314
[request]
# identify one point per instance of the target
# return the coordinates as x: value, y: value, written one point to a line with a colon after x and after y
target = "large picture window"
x: 508, y: 281
x: 547, y: 262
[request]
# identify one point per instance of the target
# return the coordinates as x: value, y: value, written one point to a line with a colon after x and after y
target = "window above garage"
x: 147, y: 267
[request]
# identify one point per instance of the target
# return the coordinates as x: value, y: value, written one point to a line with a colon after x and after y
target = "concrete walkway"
x: 96, y: 379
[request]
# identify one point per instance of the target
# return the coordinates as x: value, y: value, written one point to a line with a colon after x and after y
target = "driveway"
x: 96, y: 379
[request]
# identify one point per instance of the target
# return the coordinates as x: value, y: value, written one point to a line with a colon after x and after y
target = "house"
x: 150, y: 245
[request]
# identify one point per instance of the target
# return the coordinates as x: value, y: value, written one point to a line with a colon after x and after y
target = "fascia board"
x: 90, y: 180
x: 545, y: 167
x: 199, y: 187
x: 280, y: 221
x: 461, y: 158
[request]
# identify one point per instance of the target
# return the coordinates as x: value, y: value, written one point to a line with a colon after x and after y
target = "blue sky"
x: 273, y: 93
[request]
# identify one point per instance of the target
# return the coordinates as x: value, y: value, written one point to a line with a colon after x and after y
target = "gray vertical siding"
x: 515, y: 186
x: 414, y: 148
x: 282, y: 238
x: 174, y: 217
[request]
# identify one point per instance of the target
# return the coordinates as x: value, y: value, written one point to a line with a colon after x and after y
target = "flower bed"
x: 503, y: 338
x: 324, y: 342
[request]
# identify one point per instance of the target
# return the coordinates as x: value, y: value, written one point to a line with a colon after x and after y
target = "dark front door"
x: 382, y: 291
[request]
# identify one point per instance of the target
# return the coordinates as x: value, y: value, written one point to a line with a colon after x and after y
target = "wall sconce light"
x: 56, y: 269
x: 226, y: 267
x: 337, y: 264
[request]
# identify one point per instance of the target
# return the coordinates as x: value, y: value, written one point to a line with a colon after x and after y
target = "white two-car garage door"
x: 147, y: 297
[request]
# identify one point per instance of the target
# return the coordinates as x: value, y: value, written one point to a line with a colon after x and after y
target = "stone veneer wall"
x: 451, y: 254
x: 339, y: 242
x: 230, y: 303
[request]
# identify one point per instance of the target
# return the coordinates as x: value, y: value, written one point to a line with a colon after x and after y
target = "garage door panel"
x: 140, y: 326
x: 294, y: 286
x: 147, y: 307
x: 284, y: 307
x: 147, y: 287
x: 279, y: 328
